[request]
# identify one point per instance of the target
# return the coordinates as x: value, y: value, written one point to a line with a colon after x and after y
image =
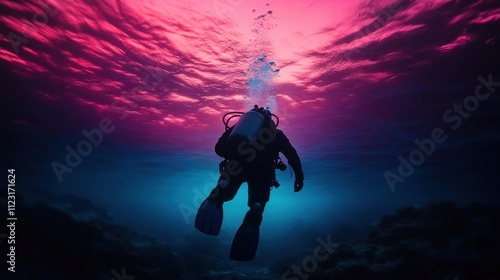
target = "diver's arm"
x: 291, y: 155
x: 220, y: 146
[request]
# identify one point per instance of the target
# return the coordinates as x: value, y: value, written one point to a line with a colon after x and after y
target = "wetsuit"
x: 257, y: 169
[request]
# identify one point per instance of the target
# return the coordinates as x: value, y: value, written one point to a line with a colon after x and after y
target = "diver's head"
x: 264, y: 111
x: 266, y: 114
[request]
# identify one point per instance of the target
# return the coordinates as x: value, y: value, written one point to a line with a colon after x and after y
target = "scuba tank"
x: 247, y: 128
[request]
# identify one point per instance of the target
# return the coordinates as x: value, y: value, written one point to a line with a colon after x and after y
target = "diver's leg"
x: 259, y: 191
x: 210, y: 214
x: 246, y: 239
x: 226, y: 189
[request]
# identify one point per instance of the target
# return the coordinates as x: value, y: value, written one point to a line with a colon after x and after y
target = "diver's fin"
x: 245, y: 243
x: 246, y: 239
x: 209, y: 217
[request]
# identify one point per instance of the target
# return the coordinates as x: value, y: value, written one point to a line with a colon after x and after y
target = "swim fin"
x: 246, y: 239
x: 209, y: 217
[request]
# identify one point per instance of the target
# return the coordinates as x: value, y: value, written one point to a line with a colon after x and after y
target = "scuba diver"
x: 250, y: 150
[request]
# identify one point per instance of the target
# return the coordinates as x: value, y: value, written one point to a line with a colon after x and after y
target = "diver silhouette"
x: 250, y: 150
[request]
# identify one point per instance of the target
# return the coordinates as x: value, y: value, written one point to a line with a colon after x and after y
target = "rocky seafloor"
x: 74, y: 240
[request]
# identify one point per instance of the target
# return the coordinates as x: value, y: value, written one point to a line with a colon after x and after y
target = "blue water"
x: 346, y: 144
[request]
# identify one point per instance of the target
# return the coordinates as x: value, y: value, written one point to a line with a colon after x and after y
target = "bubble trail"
x: 262, y: 71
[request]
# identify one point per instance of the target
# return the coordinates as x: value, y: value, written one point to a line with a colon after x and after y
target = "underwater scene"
x: 250, y: 140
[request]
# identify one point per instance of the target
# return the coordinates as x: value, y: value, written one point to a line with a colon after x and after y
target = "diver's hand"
x: 298, y: 185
